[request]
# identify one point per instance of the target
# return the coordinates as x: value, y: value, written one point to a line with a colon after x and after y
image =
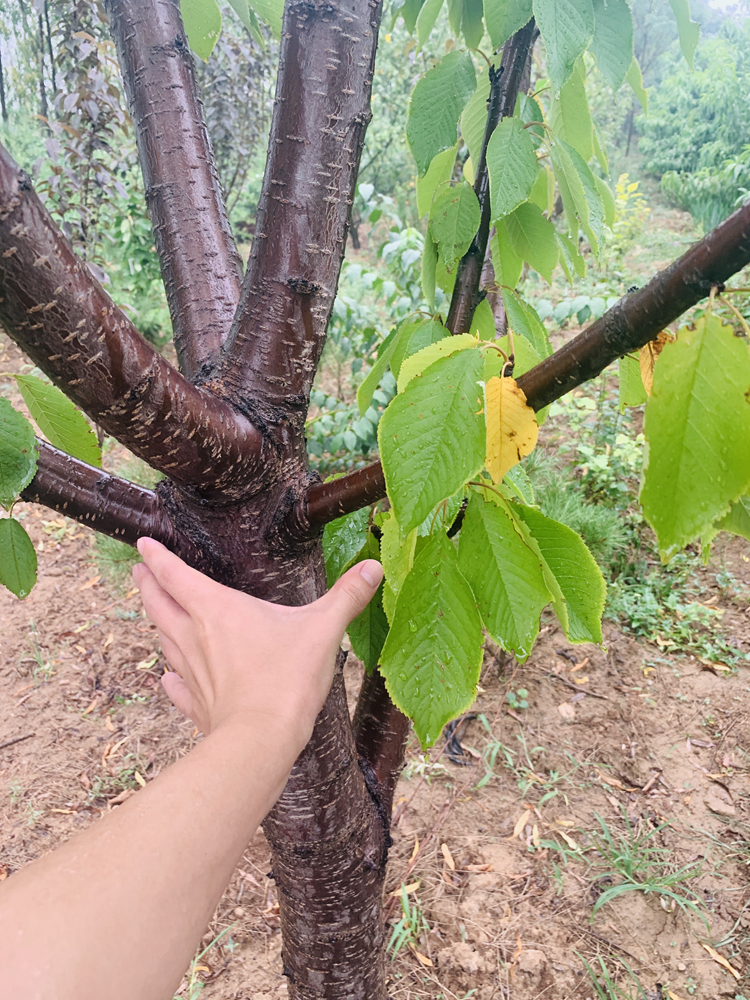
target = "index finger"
x: 186, y: 585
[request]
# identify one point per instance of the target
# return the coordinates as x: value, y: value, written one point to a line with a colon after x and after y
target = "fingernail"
x: 143, y: 544
x: 372, y: 571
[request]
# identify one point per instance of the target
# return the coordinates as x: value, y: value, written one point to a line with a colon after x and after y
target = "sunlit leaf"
x: 512, y: 429
x: 433, y: 654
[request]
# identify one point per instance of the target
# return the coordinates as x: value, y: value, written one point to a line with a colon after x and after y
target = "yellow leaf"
x: 448, y: 857
x: 568, y: 840
x: 408, y: 889
x: 647, y: 358
x: 512, y: 429
x: 147, y: 664
x: 415, y: 852
x: 139, y: 778
x: 721, y: 960
x: 523, y: 819
x: 422, y: 958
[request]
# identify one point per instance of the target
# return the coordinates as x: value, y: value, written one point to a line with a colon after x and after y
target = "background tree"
x: 227, y: 430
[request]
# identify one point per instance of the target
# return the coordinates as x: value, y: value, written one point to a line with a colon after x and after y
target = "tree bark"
x: 635, y: 320
x: 52, y: 306
x: 321, y: 112
x: 201, y: 268
x: 3, y: 107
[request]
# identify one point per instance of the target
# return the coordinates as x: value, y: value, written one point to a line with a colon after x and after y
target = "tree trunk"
x: 3, y: 107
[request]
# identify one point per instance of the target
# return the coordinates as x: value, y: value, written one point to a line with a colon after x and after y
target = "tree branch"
x: 321, y: 112
x: 113, y: 506
x: 635, y: 320
x: 200, y: 265
x: 504, y: 86
x: 55, y: 310
x: 380, y: 732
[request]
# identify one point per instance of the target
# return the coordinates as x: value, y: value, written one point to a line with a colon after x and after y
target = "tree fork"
x: 321, y: 112
x: 632, y: 322
x: 200, y: 264
x: 56, y: 311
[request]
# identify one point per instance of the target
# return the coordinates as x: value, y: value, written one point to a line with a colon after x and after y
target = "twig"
x: 16, y: 739
x: 575, y: 687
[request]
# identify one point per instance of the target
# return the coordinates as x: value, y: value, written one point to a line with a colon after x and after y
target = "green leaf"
x: 18, y: 453
x: 518, y: 481
x: 17, y: 558
x: 474, y: 117
x: 525, y: 356
x: 531, y: 114
x: 689, y: 30
x: 343, y: 539
x: 202, y: 22
x: 635, y: 79
x: 368, y: 630
x: 567, y: 27
x: 737, y: 521
x: 506, y: 263
x: 569, y: 117
x: 248, y: 18
x: 612, y: 46
x: 432, y: 436
x: 433, y: 654
x: 439, y: 173
x: 454, y: 220
x: 504, y: 574
x: 572, y: 191
x: 572, y: 260
x: 512, y: 166
x: 533, y: 238
x: 416, y: 336
x: 378, y: 370
x: 504, y: 18
x: 428, y: 276
x: 270, y: 11
x: 397, y: 556
x: 600, y: 150
x: 472, y: 27
x: 416, y: 363
x: 523, y: 319
x: 435, y: 106
x: 483, y: 322
x: 62, y: 424
x: 697, y: 427
x: 426, y: 20
x: 575, y: 571
x: 593, y: 225
x: 410, y: 13
x: 632, y: 390
x: 608, y: 200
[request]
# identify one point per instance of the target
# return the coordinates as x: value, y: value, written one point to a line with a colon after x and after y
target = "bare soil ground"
x: 502, y: 854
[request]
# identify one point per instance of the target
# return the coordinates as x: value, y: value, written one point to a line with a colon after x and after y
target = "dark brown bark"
x: 321, y: 111
x: 635, y: 320
x: 504, y: 87
x: 200, y: 265
x: 52, y: 306
x: 381, y: 731
x: 92, y: 496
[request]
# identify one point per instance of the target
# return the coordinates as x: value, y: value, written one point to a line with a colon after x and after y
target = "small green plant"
x: 43, y: 669
x: 412, y: 923
x: 517, y: 699
x: 638, y: 864
x: 195, y: 986
x: 690, y: 986
x: 605, y: 987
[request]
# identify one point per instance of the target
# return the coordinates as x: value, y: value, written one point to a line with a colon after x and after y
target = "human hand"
x: 235, y: 658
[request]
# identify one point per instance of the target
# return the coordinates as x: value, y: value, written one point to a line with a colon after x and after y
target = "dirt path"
x: 503, y: 855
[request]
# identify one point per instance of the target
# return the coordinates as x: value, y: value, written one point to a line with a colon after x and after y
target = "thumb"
x: 352, y: 592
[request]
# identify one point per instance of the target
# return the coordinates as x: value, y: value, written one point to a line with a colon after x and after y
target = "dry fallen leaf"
x: 90, y: 583
x: 139, y: 778
x: 108, y: 724
x: 422, y: 958
x: 721, y: 960
x: 523, y: 819
x: 478, y: 868
x: 91, y: 707
x: 147, y: 664
x: 568, y: 840
x: 415, y: 852
x: 512, y: 429
x: 109, y: 640
x: 408, y: 889
x: 448, y: 857
x: 566, y: 710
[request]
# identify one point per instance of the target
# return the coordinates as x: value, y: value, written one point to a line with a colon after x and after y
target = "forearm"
x: 130, y: 898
